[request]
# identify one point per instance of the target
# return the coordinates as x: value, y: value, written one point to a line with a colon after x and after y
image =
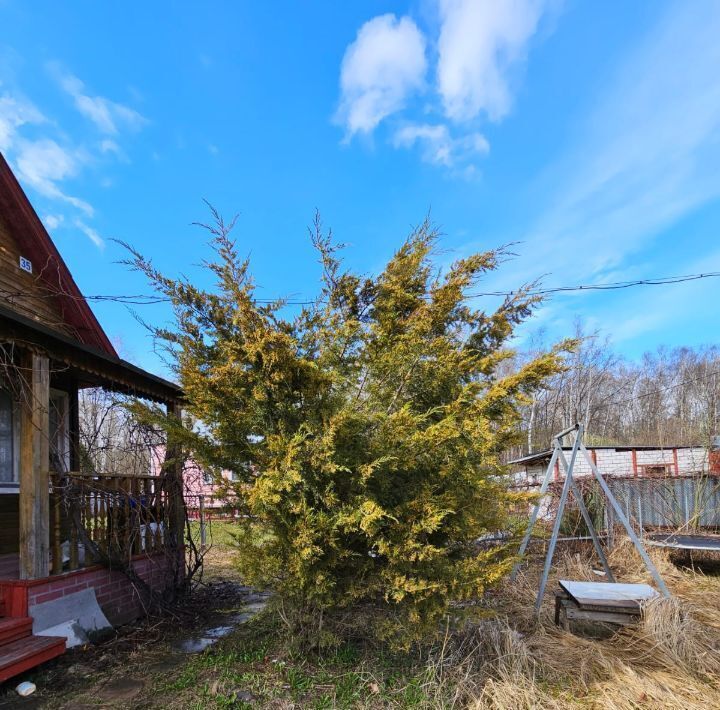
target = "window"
x: 246, y: 469
x: 59, y: 421
x: 7, y: 439
x: 207, y: 478
x: 656, y: 470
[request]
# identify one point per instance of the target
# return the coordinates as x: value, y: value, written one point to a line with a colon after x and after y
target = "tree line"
x: 670, y: 396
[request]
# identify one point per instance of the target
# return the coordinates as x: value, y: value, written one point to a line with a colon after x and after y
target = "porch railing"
x: 120, y: 515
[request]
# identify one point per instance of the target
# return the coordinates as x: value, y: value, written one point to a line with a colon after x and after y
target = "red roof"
x: 34, y: 241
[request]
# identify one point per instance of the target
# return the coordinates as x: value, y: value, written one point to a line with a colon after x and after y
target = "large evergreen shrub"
x: 365, y: 429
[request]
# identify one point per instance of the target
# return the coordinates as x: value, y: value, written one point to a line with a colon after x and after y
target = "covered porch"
x: 64, y: 525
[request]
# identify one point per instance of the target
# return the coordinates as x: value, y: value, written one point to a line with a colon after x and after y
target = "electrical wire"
x: 148, y: 299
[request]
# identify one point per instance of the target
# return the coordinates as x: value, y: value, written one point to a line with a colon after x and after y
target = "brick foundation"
x: 116, y: 595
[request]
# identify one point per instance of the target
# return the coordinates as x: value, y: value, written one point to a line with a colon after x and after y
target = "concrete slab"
x: 79, y: 607
x: 72, y: 631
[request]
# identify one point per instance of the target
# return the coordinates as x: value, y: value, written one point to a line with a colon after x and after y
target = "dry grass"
x: 503, y: 660
x: 670, y: 660
x: 512, y: 661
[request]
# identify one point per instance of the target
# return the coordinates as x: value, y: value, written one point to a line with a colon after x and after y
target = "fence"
x: 211, y: 507
x: 691, y: 503
x: 122, y: 515
x: 683, y: 502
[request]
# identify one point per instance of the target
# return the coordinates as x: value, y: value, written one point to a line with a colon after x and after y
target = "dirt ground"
x: 157, y: 662
x: 149, y: 665
x: 129, y: 670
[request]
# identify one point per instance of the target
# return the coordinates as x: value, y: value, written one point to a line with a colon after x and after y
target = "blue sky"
x: 588, y: 133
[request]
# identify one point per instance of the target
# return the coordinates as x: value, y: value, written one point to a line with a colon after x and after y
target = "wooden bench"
x: 600, y: 602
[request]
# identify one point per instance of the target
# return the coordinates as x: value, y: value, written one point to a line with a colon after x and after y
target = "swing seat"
x: 600, y: 602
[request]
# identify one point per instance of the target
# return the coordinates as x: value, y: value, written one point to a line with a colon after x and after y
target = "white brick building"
x: 617, y: 462
x: 673, y: 487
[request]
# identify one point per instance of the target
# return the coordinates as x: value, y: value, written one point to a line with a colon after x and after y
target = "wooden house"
x: 51, y: 347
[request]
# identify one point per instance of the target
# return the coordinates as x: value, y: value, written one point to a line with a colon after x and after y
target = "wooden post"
x: 203, y: 532
x: 151, y: 517
x: 57, y: 548
x: 136, y: 515
x: 114, y: 539
x: 34, y: 469
x: 176, y: 500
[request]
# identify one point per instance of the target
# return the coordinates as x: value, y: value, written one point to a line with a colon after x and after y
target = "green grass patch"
x: 219, y: 532
x: 255, y: 659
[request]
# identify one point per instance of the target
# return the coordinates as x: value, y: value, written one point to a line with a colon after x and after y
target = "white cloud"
x: 107, y: 115
x: 644, y: 158
x: 53, y: 221
x: 43, y: 163
x: 14, y: 113
x: 108, y: 145
x: 90, y: 233
x: 651, y: 310
x: 649, y: 151
x: 438, y: 146
x: 479, y: 42
x: 381, y: 69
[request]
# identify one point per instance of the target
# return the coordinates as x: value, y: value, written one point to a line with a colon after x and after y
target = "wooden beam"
x: 34, y: 465
x: 96, y: 368
x: 176, y: 498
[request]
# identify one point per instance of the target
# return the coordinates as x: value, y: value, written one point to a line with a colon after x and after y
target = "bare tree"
x: 669, y: 397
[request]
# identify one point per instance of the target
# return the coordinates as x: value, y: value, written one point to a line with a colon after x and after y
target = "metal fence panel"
x: 689, y: 502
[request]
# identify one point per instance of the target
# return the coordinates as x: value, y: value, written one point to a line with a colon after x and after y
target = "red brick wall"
x: 116, y: 595
x: 714, y: 460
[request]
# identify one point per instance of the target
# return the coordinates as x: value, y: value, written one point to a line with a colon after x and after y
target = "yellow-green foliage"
x: 365, y: 429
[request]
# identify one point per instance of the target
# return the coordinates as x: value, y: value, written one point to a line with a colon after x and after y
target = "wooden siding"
x: 23, y: 292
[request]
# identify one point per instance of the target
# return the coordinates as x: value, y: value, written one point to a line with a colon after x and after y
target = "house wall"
x: 116, y: 595
x: 666, y: 502
x: 20, y: 291
x: 10, y: 523
x: 195, y: 487
x: 612, y: 462
x: 194, y: 484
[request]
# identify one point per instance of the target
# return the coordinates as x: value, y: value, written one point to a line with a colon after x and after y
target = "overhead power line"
x: 151, y: 299
x: 610, y: 286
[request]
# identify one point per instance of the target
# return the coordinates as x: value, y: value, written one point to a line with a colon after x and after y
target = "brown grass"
x: 509, y: 660
x: 670, y: 660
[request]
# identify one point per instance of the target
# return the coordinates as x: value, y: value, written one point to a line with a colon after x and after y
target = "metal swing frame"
x: 558, y: 456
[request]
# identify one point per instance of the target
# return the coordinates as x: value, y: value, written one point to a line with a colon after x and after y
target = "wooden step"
x: 26, y: 653
x: 12, y: 628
